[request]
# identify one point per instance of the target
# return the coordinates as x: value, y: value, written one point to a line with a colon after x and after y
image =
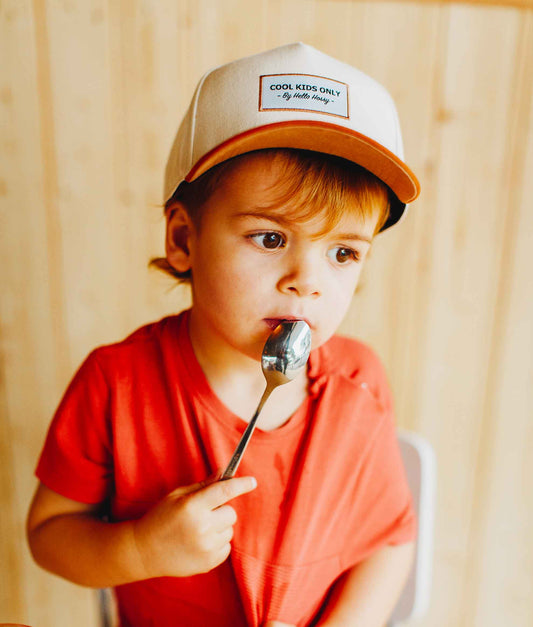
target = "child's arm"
x: 187, y: 532
x: 366, y: 595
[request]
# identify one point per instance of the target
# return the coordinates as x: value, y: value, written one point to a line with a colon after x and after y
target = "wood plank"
x: 499, y: 576
x: 32, y: 302
x: 79, y: 84
x: 520, y: 4
x: 30, y: 295
x: 25, y: 320
x: 465, y: 250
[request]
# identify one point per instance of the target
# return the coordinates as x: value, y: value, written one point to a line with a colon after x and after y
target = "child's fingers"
x: 223, y: 517
x: 224, y: 539
x: 188, y: 489
x: 220, y: 556
x: 219, y: 493
x: 195, y: 487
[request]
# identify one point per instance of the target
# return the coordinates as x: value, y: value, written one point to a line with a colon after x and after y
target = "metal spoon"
x: 284, y: 357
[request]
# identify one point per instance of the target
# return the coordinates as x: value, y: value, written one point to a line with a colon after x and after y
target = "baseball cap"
x: 293, y: 96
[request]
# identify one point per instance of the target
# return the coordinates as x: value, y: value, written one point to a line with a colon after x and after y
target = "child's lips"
x: 273, y: 322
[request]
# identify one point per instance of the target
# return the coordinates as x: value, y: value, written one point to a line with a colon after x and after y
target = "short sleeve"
x: 388, y: 516
x: 387, y: 488
x: 379, y: 508
x: 76, y: 460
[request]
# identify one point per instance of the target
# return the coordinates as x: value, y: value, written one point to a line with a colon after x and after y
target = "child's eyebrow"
x: 263, y: 214
x: 353, y: 236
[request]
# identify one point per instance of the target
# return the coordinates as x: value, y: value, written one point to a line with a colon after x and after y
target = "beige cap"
x: 293, y: 96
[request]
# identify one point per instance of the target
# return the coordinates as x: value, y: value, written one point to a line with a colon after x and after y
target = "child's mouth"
x: 273, y: 322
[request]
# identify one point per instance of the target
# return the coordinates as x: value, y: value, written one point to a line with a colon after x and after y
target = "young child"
x: 285, y: 167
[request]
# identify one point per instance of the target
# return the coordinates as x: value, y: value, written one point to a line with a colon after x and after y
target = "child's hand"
x: 189, y: 531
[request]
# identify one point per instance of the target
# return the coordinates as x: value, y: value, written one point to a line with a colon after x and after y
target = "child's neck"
x: 241, y: 394
x: 239, y: 383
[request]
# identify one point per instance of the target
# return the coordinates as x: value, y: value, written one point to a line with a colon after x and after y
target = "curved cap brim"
x: 322, y: 137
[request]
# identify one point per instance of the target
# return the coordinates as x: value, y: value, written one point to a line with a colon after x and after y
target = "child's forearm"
x: 366, y: 595
x: 186, y: 533
x: 87, y: 551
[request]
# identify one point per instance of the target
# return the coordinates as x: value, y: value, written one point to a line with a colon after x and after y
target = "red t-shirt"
x: 139, y: 419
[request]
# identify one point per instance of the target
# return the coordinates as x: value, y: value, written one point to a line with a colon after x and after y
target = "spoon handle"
x: 235, y: 460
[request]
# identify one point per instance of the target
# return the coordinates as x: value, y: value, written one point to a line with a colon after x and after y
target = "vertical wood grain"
x: 25, y: 330
x: 466, y: 247
x: 91, y: 94
x: 31, y: 329
x: 499, y: 574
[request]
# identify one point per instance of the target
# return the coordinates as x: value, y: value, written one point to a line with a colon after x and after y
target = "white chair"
x: 420, y: 465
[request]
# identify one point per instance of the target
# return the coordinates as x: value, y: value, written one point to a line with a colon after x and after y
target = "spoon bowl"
x: 284, y: 357
x: 286, y: 351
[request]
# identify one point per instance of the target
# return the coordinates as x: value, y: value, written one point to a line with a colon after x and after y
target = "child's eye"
x: 270, y: 240
x: 342, y: 255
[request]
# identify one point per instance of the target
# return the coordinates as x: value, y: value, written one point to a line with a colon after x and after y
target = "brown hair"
x: 311, y: 182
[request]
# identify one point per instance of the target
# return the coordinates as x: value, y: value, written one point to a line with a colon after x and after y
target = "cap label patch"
x: 303, y: 92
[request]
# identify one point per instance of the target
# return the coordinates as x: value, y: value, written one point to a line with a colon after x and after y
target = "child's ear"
x: 179, y: 229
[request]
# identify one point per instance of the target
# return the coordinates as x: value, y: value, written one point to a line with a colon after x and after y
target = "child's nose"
x: 301, y: 278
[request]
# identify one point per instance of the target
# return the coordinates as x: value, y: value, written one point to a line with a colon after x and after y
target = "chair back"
x: 420, y: 465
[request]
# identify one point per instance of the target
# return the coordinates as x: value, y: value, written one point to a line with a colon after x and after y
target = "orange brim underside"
x: 321, y: 137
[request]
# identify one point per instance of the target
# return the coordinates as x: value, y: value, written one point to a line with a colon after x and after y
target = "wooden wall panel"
x: 90, y: 97
x: 30, y: 315
x: 502, y: 553
x: 466, y: 253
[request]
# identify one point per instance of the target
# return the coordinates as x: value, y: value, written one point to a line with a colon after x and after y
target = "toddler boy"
x: 285, y: 166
